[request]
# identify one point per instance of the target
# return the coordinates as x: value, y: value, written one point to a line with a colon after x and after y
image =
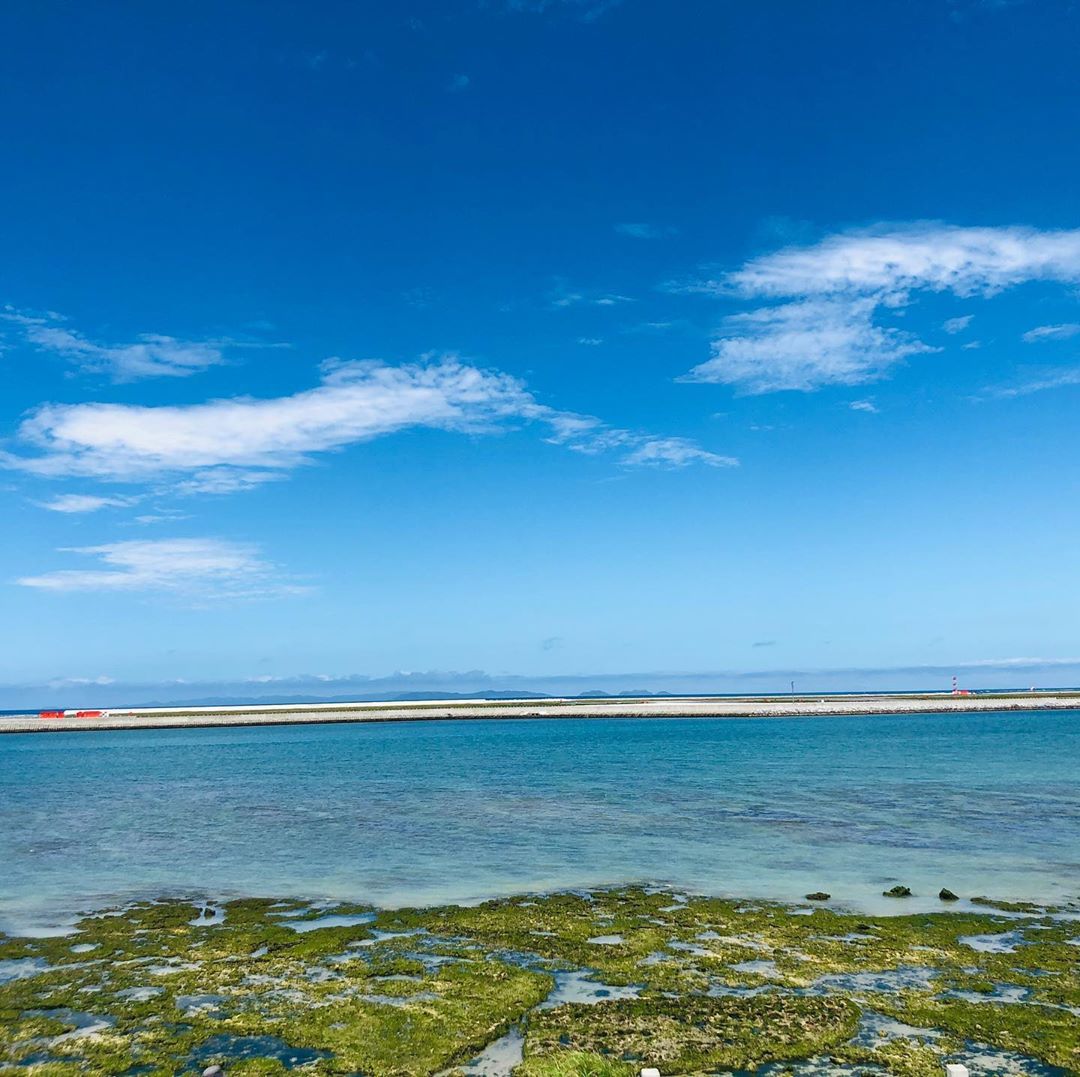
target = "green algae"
x: 696, y: 1033
x: 1008, y: 906
x: 905, y: 1058
x: 419, y: 991
x: 566, y: 1063
x: 1052, y: 1036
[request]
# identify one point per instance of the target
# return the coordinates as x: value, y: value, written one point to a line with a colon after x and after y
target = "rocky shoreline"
x: 587, y: 984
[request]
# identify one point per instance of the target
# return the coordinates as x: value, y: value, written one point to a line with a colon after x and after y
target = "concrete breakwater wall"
x: 441, y: 710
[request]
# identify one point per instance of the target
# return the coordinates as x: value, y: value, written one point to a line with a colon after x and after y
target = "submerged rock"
x: 818, y: 895
x: 897, y: 891
x: 947, y: 895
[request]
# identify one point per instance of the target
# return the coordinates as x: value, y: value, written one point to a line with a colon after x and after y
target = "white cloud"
x: 76, y: 503
x: 642, y: 230
x: 198, y: 567
x: 824, y: 328
x: 150, y: 355
x: 952, y: 326
x: 252, y: 438
x: 674, y: 453
x: 935, y: 257
x: 805, y: 345
x: 165, y: 516
x: 227, y: 445
x: 563, y: 297
x: 1037, y: 382
x: 585, y: 434
x: 591, y: 342
x: 864, y: 405
x: 1051, y: 332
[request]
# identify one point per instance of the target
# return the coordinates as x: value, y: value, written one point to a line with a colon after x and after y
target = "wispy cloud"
x: 804, y: 345
x: 566, y: 298
x: 1051, y: 332
x: 894, y: 262
x: 162, y: 516
x: 227, y: 445
x: 1036, y: 381
x: 952, y: 326
x: 585, y: 434
x: 195, y: 567
x: 674, y: 453
x: 824, y: 325
x: 150, y: 355
x: 643, y: 230
x: 458, y: 83
x: 864, y: 405
x: 79, y: 503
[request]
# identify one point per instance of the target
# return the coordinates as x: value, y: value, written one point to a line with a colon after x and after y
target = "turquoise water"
x: 436, y: 811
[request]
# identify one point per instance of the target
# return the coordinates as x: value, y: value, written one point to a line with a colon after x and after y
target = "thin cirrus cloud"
x: 804, y: 345
x: 1051, y: 332
x: 822, y: 322
x: 150, y: 355
x: 574, y: 299
x: 81, y: 503
x: 201, y: 568
x: 952, y: 326
x: 222, y: 446
x: 1036, y: 381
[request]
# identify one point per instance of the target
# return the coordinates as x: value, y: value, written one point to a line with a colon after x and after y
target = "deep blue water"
x: 433, y: 811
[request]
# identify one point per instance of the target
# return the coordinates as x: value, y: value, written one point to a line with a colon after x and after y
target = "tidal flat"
x: 590, y: 983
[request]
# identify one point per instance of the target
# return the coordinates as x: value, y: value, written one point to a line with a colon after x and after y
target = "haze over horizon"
x: 541, y: 339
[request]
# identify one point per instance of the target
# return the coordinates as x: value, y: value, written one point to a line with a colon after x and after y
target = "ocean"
x: 422, y: 813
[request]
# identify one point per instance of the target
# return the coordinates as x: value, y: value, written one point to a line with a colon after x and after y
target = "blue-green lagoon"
x: 432, y: 812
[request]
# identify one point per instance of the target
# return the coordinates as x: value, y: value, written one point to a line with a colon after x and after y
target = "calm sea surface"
x: 436, y: 811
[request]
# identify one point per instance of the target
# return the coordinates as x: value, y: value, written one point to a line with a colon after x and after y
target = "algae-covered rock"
x: 1007, y: 906
x: 696, y: 1033
x: 897, y: 892
x: 575, y: 1064
x: 693, y: 983
x: 945, y: 894
x: 818, y: 895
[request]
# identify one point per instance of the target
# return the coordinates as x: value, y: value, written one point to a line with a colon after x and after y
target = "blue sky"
x: 538, y: 338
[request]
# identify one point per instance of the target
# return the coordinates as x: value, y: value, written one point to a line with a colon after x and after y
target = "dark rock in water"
x: 897, y: 891
x: 818, y: 895
x: 947, y: 895
x: 863, y: 927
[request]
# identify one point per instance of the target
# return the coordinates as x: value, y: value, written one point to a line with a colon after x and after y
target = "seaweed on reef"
x: 599, y: 983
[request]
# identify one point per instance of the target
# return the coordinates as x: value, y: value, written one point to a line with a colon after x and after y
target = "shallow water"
x: 428, y: 812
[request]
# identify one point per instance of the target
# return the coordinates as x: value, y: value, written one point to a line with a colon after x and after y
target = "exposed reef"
x: 594, y: 983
